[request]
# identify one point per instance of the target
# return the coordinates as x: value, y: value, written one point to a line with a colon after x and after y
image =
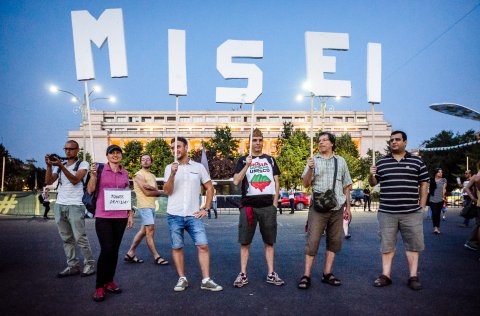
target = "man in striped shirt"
x: 400, y: 174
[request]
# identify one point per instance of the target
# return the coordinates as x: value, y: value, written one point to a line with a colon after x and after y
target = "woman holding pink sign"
x: 113, y: 213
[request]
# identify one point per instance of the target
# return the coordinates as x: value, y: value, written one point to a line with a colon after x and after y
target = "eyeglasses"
x: 67, y: 149
x: 146, y: 159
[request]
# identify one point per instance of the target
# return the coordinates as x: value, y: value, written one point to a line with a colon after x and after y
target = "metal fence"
x: 27, y: 204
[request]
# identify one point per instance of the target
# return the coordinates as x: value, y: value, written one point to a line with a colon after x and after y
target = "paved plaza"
x: 32, y: 255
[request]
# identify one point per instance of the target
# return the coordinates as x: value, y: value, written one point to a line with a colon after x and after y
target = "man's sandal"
x: 160, y: 261
x: 132, y: 259
x: 382, y: 281
x: 331, y: 279
x: 304, y: 283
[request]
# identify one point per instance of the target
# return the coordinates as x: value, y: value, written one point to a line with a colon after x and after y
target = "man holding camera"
x: 69, y: 209
x: 325, y: 172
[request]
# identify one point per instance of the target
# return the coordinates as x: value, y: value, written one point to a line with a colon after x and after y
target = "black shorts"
x: 267, y: 219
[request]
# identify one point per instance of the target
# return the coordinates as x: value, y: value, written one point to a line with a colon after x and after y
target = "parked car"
x: 301, y: 200
x: 356, y: 197
x: 455, y: 198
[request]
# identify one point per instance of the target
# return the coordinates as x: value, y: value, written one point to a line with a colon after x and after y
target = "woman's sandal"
x: 331, y: 279
x: 132, y: 259
x: 160, y: 261
x: 304, y: 283
x: 382, y: 281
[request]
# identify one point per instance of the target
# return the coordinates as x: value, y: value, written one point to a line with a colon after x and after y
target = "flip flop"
x: 160, y: 261
x: 132, y: 259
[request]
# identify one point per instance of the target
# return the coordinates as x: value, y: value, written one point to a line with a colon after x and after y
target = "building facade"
x: 122, y: 127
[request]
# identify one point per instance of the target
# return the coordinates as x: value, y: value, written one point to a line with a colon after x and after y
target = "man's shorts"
x: 147, y: 215
x: 410, y: 226
x: 332, y: 222
x: 267, y: 219
x: 194, y: 227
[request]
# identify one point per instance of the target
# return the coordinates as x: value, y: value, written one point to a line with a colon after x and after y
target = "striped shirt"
x: 399, y: 181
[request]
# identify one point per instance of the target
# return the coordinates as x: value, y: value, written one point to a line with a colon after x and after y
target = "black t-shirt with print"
x: 258, y: 185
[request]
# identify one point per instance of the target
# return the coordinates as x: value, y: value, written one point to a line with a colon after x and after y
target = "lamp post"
x: 3, y: 170
x: 83, y: 107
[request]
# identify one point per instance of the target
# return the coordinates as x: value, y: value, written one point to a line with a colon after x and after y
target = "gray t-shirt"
x: 437, y: 196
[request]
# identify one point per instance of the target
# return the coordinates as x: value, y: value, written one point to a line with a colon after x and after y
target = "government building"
x: 122, y: 127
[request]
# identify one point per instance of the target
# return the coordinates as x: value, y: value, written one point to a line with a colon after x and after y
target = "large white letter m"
x: 87, y: 29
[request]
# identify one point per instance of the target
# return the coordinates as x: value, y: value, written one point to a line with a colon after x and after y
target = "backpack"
x: 90, y: 200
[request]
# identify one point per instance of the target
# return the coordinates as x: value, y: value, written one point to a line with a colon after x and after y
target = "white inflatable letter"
x: 374, y: 72
x: 317, y: 64
x: 86, y: 29
x: 230, y: 70
x: 177, y: 64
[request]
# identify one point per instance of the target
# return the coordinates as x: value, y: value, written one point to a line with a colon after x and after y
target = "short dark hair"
x: 180, y: 139
x: 330, y: 136
x: 404, y: 135
x: 73, y: 142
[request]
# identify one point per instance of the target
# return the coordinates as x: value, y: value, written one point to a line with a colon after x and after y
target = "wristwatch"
x: 206, y: 209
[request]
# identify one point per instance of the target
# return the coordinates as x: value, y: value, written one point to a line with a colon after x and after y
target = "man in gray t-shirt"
x: 69, y: 209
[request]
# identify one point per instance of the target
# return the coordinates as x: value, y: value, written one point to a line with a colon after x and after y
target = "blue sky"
x: 36, y: 50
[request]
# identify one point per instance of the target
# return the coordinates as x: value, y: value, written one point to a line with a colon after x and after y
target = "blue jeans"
x: 70, y: 221
x: 194, y: 227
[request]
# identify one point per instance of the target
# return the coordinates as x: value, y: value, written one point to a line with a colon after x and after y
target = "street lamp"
x: 82, y: 107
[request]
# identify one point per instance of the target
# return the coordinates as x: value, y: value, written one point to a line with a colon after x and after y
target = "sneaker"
x: 112, y: 287
x: 182, y: 284
x: 88, y: 269
x: 211, y: 286
x: 470, y: 245
x: 99, y: 295
x: 241, y: 280
x: 69, y: 271
x: 273, y: 278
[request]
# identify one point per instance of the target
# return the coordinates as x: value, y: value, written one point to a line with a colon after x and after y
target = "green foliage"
x: 347, y: 149
x: 131, y: 157
x: 221, y: 152
x: 453, y: 162
x: 292, y: 157
x: 161, y: 154
x: 222, y: 144
x: 88, y: 157
x: 19, y: 175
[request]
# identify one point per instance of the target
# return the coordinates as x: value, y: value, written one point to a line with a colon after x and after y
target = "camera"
x: 55, y: 157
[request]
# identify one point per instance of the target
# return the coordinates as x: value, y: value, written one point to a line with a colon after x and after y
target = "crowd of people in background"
x: 405, y: 191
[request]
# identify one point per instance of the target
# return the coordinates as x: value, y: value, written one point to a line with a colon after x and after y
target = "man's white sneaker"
x: 182, y: 284
x: 211, y: 286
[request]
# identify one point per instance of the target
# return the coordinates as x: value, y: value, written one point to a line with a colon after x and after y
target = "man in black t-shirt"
x: 259, y: 175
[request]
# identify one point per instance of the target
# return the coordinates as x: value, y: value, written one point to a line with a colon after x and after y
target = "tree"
x: 161, y: 154
x: 221, y: 152
x: 131, y: 157
x: 346, y: 148
x: 222, y: 143
x: 292, y: 157
x: 452, y: 161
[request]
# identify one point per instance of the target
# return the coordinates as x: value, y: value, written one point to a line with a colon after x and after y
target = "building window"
x: 337, y: 119
x: 211, y: 119
x: 171, y: 119
x: 349, y: 119
x: 236, y: 119
x: 158, y: 119
x: 361, y: 120
x: 184, y: 119
x: 197, y: 119
x: 146, y: 119
x: 300, y: 119
x: 261, y: 119
x: 121, y: 119
x: 286, y: 118
x: 133, y: 119
x: 109, y: 119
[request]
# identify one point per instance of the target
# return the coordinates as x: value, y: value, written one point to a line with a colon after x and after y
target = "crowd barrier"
x: 27, y: 204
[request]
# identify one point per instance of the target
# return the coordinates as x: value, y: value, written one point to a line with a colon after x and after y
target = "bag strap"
x: 99, y: 175
x: 335, y: 173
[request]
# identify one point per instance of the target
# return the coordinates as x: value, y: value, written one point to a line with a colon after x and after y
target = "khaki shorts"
x: 317, y: 223
x: 267, y: 219
x: 410, y: 226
